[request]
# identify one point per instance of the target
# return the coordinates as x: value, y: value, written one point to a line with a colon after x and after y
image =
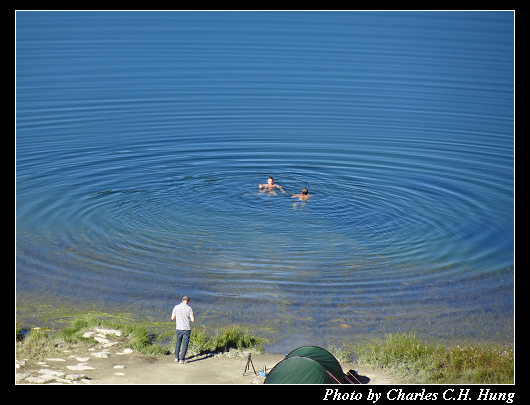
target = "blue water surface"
x: 141, y: 138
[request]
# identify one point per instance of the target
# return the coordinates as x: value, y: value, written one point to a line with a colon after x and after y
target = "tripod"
x: 249, y: 363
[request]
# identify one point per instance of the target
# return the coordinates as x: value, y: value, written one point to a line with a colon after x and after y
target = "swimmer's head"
x: 270, y: 180
x: 304, y: 191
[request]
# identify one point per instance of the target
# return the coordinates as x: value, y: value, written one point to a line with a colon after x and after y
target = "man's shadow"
x: 201, y: 356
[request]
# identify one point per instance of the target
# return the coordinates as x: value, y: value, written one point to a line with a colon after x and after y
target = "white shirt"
x: 183, y: 313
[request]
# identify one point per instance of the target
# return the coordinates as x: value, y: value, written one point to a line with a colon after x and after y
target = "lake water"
x: 141, y: 138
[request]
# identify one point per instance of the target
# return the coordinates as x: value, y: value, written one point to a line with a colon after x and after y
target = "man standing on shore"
x: 183, y: 315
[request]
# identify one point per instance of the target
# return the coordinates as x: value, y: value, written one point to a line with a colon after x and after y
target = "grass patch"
x: 418, y: 362
x: 140, y: 340
x: 37, y: 345
x: 41, y: 343
x: 341, y: 354
x: 234, y: 337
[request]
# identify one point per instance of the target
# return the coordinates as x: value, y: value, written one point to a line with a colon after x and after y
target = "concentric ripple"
x: 140, y: 149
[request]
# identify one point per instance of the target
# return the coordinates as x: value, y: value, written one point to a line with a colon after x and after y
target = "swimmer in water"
x: 304, y: 196
x: 270, y: 185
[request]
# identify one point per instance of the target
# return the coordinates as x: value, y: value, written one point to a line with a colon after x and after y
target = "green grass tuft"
x: 418, y: 362
x: 233, y: 337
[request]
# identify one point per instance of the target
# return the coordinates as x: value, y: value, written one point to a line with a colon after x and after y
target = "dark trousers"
x: 183, y: 336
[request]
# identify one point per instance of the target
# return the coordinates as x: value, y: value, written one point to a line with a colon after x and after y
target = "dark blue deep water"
x: 141, y: 138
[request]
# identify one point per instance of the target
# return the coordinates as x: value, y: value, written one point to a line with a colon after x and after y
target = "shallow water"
x: 142, y: 138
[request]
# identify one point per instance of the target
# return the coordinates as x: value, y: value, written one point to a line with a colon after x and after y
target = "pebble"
x: 109, y: 331
x: 110, y: 344
x: 101, y: 340
x: 75, y: 376
x: 48, y: 376
x: 48, y: 372
x: 80, y: 367
x: 21, y: 376
x: 40, y: 380
x: 103, y: 354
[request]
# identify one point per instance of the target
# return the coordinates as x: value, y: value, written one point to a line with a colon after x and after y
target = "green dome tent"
x: 307, y: 365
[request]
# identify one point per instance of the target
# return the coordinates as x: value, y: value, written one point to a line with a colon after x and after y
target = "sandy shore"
x: 138, y: 369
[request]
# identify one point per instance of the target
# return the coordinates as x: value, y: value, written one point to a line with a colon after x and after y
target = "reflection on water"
x: 142, y: 139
